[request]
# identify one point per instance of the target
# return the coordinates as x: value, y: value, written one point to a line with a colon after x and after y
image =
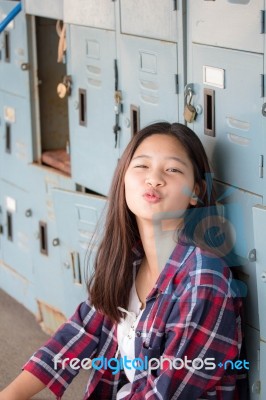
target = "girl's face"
x: 159, y: 178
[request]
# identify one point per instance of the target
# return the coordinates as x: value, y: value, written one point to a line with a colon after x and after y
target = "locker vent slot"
x: 7, y: 47
x: 43, y: 238
x: 209, y: 112
x: 8, y: 138
x: 134, y: 119
x: 9, y: 226
x: 82, y: 107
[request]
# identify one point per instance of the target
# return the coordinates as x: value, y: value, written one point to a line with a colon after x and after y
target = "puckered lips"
x: 152, y: 196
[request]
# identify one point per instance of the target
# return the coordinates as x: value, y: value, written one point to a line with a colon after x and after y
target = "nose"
x: 154, y: 179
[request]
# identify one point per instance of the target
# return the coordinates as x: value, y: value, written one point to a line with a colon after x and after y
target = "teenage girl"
x: 161, y: 301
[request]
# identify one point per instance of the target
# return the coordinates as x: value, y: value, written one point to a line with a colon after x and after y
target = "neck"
x: 158, y: 244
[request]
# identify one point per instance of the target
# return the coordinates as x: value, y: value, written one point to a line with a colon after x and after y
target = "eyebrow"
x: 178, y: 159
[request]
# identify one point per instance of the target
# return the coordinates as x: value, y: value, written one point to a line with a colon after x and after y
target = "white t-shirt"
x: 126, y: 336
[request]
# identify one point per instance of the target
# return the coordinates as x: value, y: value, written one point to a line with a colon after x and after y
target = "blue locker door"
x: 17, y: 234
x: 235, y: 24
x: 15, y: 138
x: 228, y: 88
x: 14, y: 69
x: 254, y: 358
x: 91, y: 107
x: 262, y: 369
x: 49, y: 8
x: 237, y: 209
x: 155, y: 19
x: 259, y: 214
x: 45, y: 250
x: 93, y: 13
x: 77, y: 215
x: 148, y: 82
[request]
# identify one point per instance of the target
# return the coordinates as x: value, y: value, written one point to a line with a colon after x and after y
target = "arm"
x: 77, y: 338
x: 22, y: 388
x: 203, y: 324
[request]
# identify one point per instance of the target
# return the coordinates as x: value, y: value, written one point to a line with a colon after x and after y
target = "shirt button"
x: 138, y: 333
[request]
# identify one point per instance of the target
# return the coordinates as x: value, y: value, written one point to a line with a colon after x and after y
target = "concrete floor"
x: 20, y: 336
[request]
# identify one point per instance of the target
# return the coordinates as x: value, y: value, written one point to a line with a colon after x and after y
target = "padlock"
x: 190, y: 112
x: 118, y: 100
x: 64, y: 88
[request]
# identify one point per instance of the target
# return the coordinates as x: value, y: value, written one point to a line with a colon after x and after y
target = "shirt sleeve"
x: 203, y: 325
x: 77, y: 338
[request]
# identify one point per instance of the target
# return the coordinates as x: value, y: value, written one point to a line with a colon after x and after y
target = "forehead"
x: 161, y: 143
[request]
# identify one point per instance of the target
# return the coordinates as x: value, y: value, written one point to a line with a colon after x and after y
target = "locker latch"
x: 118, y: 104
x: 118, y: 110
x: 25, y: 66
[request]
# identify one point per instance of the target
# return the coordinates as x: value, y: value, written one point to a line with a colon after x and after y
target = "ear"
x: 194, y: 197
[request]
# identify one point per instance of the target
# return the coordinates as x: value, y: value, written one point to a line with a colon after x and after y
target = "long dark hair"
x: 110, y: 285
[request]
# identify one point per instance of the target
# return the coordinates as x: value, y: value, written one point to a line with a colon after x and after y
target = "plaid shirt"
x: 192, y: 312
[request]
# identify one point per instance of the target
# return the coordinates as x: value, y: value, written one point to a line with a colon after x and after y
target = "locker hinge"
x: 261, y: 161
x: 175, y: 5
x: 176, y: 84
x: 262, y: 21
x: 262, y: 83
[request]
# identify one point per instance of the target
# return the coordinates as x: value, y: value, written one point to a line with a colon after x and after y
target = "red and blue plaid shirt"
x: 192, y: 312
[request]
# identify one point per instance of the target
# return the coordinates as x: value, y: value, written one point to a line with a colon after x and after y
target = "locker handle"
x: 7, y: 47
x: 82, y: 107
x: 8, y: 138
x: 75, y: 261
x: 209, y: 112
x: 134, y: 119
x: 43, y: 238
x: 9, y: 226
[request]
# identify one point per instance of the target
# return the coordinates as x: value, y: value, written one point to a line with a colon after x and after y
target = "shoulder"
x: 211, y: 270
x: 199, y: 267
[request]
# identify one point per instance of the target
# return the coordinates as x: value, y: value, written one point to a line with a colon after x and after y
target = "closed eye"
x: 175, y: 170
x: 141, y: 166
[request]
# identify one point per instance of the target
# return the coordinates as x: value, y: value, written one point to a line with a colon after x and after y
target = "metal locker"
x: 48, y: 8
x: 83, y: 213
x: 259, y: 223
x: 14, y: 58
x: 148, y: 83
x: 16, y: 240
x: 228, y: 94
x: 262, y: 385
x: 237, y: 209
x: 236, y: 24
x: 150, y: 18
x: 252, y: 339
x: 46, y: 246
x: 15, y: 138
x: 1, y: 230
x: 93, y: 13
x: 92, y: 107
